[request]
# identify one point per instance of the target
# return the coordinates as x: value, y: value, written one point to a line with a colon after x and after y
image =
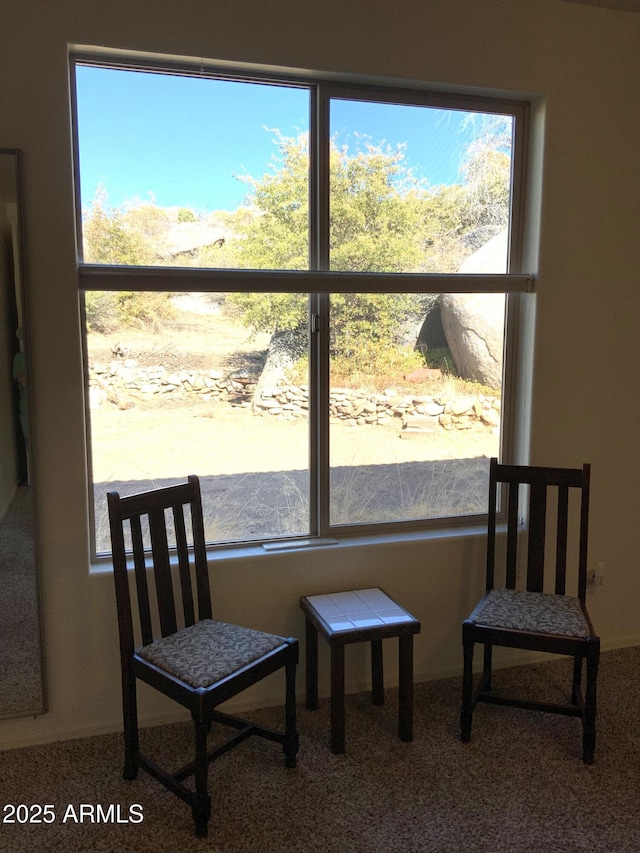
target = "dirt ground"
x: 224, y: 440
x: 232, y: 449
x: 232, y: 439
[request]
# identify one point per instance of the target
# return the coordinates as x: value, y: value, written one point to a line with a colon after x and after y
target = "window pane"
x: 185, y: 171
x: 179, y: 385
x: 415, y: 401
x: 189, y: 171
x: 418, y: 189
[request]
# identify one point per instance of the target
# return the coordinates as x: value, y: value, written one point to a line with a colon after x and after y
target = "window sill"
x: 257, y: 550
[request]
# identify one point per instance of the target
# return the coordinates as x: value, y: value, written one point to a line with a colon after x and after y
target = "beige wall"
x: 585, y: 64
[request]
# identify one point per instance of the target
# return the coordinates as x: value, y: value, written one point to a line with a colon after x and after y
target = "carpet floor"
x: 518, y: 786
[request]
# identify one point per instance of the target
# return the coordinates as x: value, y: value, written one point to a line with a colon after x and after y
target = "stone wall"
x: 121, y: 383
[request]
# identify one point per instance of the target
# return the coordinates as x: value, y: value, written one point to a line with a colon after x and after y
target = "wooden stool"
x: 353, y: 617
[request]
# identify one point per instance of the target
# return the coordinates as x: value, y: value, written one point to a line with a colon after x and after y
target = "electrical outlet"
x: 595, y: 575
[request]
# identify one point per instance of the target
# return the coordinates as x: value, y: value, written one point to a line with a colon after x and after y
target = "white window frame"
x: 319, y: 281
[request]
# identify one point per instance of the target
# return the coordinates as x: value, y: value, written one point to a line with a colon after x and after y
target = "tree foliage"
x: 109, y: 238
x: 382, y: 218
x: 186, y: 215
x: 373, y: 224
x: 128, y: 236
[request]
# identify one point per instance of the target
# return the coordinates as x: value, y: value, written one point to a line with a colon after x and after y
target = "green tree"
x: 376, y: 222
x: 486, y: 173
x: 186, y: 215
x: 381, y: 219
x: 128, y: 236
x: 107, y: 236
x: 376, y: 211
x: 272, y: 226
x: 150, y: 225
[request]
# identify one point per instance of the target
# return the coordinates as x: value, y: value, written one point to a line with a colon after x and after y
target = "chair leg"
x: 486, y: 674
x: 589, y: 722
x: 130, y: 724
x: 577, y: 680
x: 201, y: 808
x: 467, y: 692
x: 291, y: 741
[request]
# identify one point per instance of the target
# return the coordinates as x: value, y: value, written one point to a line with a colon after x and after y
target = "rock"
x: 474, y: 322
x: 459, y: 405
x: 490, y: 417
x: 420, y: 422
x: 352, y: 407
x: 432, y: 409
x: 268, y: 403
x: 474, y: 325
x: 97, y: 396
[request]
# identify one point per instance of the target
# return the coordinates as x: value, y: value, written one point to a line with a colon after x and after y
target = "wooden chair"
x: 541, y: 618
x: 200, y: 664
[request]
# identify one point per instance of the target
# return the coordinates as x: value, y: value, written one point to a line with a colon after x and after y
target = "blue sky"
x: 183, y: 140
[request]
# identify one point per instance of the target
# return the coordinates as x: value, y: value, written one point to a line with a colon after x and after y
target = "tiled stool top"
x: 357, y: 609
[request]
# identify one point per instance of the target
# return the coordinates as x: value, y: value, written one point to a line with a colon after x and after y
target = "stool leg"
x: 337, y: 699
x: 405, y: 698
x: 377, y: 673
x: 312, y: 666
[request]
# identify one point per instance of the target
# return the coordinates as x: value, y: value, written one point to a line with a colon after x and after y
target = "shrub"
x: 107, y: 311
x: 144, y: 308
x: 102, y: 311
x: 186, y: 215
x: 439, y: 357
x: 374, y: 367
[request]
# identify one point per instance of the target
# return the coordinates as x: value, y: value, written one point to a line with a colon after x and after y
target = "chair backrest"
x: 140, y: 527
x: 547, y: 489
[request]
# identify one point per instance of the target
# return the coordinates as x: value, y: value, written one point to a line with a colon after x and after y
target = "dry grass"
x: 254, y: 468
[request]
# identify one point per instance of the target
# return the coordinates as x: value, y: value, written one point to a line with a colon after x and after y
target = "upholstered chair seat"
x: 208, y: 651
x: 540, y: 612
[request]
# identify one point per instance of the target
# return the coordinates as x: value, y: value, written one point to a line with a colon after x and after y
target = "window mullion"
x: 319, y: 340
x: 189, y: 279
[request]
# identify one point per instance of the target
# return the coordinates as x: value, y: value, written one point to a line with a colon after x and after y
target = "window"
x: 300, y: 290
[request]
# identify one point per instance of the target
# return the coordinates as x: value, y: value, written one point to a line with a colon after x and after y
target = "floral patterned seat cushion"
x: 533, y: 611
x: 208, y: 651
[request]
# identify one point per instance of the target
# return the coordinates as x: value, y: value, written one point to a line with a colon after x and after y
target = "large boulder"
x: 474, y: 326
x: 474, y: 322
